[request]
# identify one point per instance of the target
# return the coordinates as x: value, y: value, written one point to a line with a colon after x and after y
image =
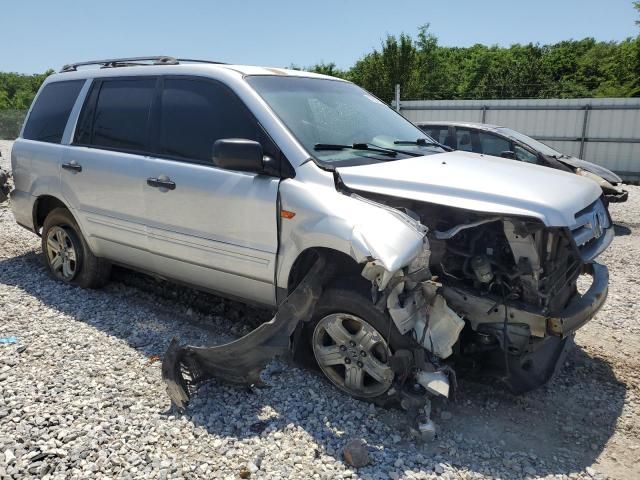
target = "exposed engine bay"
x: 499, y: 257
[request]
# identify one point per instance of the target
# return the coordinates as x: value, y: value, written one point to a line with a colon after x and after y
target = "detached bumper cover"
x: 242, y: 360
x: 583, y: 308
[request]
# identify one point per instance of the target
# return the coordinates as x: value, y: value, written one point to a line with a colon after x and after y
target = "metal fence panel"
x: 11, y: 123
x: 602, y: 130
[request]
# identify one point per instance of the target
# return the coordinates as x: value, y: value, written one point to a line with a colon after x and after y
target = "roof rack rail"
x: 194, y: 60
x: 132, y: 61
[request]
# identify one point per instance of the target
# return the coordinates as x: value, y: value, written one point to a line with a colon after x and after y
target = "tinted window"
x: 524, y: 155
x: 534, y: 144
x: 463, y: 138
x: 195, y: 113
x: 439, y: 134
x: 122, y: 114
x: 50, y: 113
x: 493, y: 145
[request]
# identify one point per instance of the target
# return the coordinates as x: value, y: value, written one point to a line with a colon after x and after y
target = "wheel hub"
x: 61, y: 253
x: 353, y: 355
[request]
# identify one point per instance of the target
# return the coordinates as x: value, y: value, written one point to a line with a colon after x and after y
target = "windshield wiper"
x: 355, y: 146
x: 422, y: 142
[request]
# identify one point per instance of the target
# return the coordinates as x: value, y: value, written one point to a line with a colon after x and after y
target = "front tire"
x: 352, y: 341
x: 353, y: 355
x: 67, y: 255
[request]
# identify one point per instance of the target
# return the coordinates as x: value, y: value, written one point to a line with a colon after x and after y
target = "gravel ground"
x: 85, y: 398
x: 5, y: 149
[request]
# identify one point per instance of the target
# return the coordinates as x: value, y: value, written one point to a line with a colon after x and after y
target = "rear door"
x: 208, y: 226
x: 102, y: 172
x: 36, y: 156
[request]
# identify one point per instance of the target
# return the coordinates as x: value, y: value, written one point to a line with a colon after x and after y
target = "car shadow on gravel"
x: 621, y: 229
x: 558, y: 429
x: 563, y: 426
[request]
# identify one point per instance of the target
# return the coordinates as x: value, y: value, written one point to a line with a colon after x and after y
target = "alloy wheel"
x: 61, y: 254
x: 353, y: 355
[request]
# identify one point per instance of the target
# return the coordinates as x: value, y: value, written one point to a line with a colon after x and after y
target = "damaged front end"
x: 496, y: 291
x: 612, y: 190
x: 412, y: 299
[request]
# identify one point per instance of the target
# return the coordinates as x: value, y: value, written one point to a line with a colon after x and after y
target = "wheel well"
x: 340, y: 263
x: 43, y: 206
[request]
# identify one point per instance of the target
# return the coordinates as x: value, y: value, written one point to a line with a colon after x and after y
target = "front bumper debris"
x: 537, y: 343
x: 481, y: 311
x: 617, y: 197
x: 534, y: 368
x: 583, y: 308
x: 4, y: 185
x: 241, y: 361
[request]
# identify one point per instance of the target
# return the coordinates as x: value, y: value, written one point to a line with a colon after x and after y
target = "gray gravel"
x: 5, y: 150
x: 85, y: 398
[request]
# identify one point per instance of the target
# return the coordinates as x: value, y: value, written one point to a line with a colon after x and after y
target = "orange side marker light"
x: 287, y: 214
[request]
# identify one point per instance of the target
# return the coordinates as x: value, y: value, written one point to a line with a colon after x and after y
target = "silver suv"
x: 236, y: 179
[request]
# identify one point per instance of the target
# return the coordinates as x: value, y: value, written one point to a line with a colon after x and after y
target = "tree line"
x: 426, y: 70
x: 17, y: 90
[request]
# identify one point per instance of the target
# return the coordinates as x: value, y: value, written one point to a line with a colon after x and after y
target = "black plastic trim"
x: 583, y: 308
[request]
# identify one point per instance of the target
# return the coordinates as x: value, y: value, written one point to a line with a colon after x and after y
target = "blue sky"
x: 36, y: 35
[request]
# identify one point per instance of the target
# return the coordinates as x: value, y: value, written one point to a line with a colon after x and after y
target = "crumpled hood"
x: 481, y: 183
x: 603, y: 172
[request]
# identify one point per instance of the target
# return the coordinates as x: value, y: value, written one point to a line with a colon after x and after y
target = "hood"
x: 481, y: 183
x: 605, y: 173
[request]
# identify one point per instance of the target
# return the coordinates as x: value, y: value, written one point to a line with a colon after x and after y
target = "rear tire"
x: 67, y: 255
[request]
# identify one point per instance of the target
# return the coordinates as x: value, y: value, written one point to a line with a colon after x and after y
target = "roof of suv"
x: 137, y: 66
x: 480, y: 126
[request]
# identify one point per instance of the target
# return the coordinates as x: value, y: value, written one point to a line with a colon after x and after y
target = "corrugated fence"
x: 602, y: 130
x: 11, y: 123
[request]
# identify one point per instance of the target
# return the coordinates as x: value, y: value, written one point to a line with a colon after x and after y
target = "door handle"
x: 73, y: 165
x: 161, y: 182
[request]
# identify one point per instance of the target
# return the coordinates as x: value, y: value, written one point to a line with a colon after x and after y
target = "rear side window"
x: 463, y: 139
x: 494, y: 145
x: 524, y: 155
x: 195, y: 113
x: 122, y: 115
x: 439, y: 134
x: 49, y: 115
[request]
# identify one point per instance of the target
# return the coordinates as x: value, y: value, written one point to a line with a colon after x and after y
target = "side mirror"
x: 508, y: 154
x: 238, y: 154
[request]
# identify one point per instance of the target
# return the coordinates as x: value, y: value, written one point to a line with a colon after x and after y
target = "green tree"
x: 327, y: 69
x: 567, y: 69
x: 17, y: 91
